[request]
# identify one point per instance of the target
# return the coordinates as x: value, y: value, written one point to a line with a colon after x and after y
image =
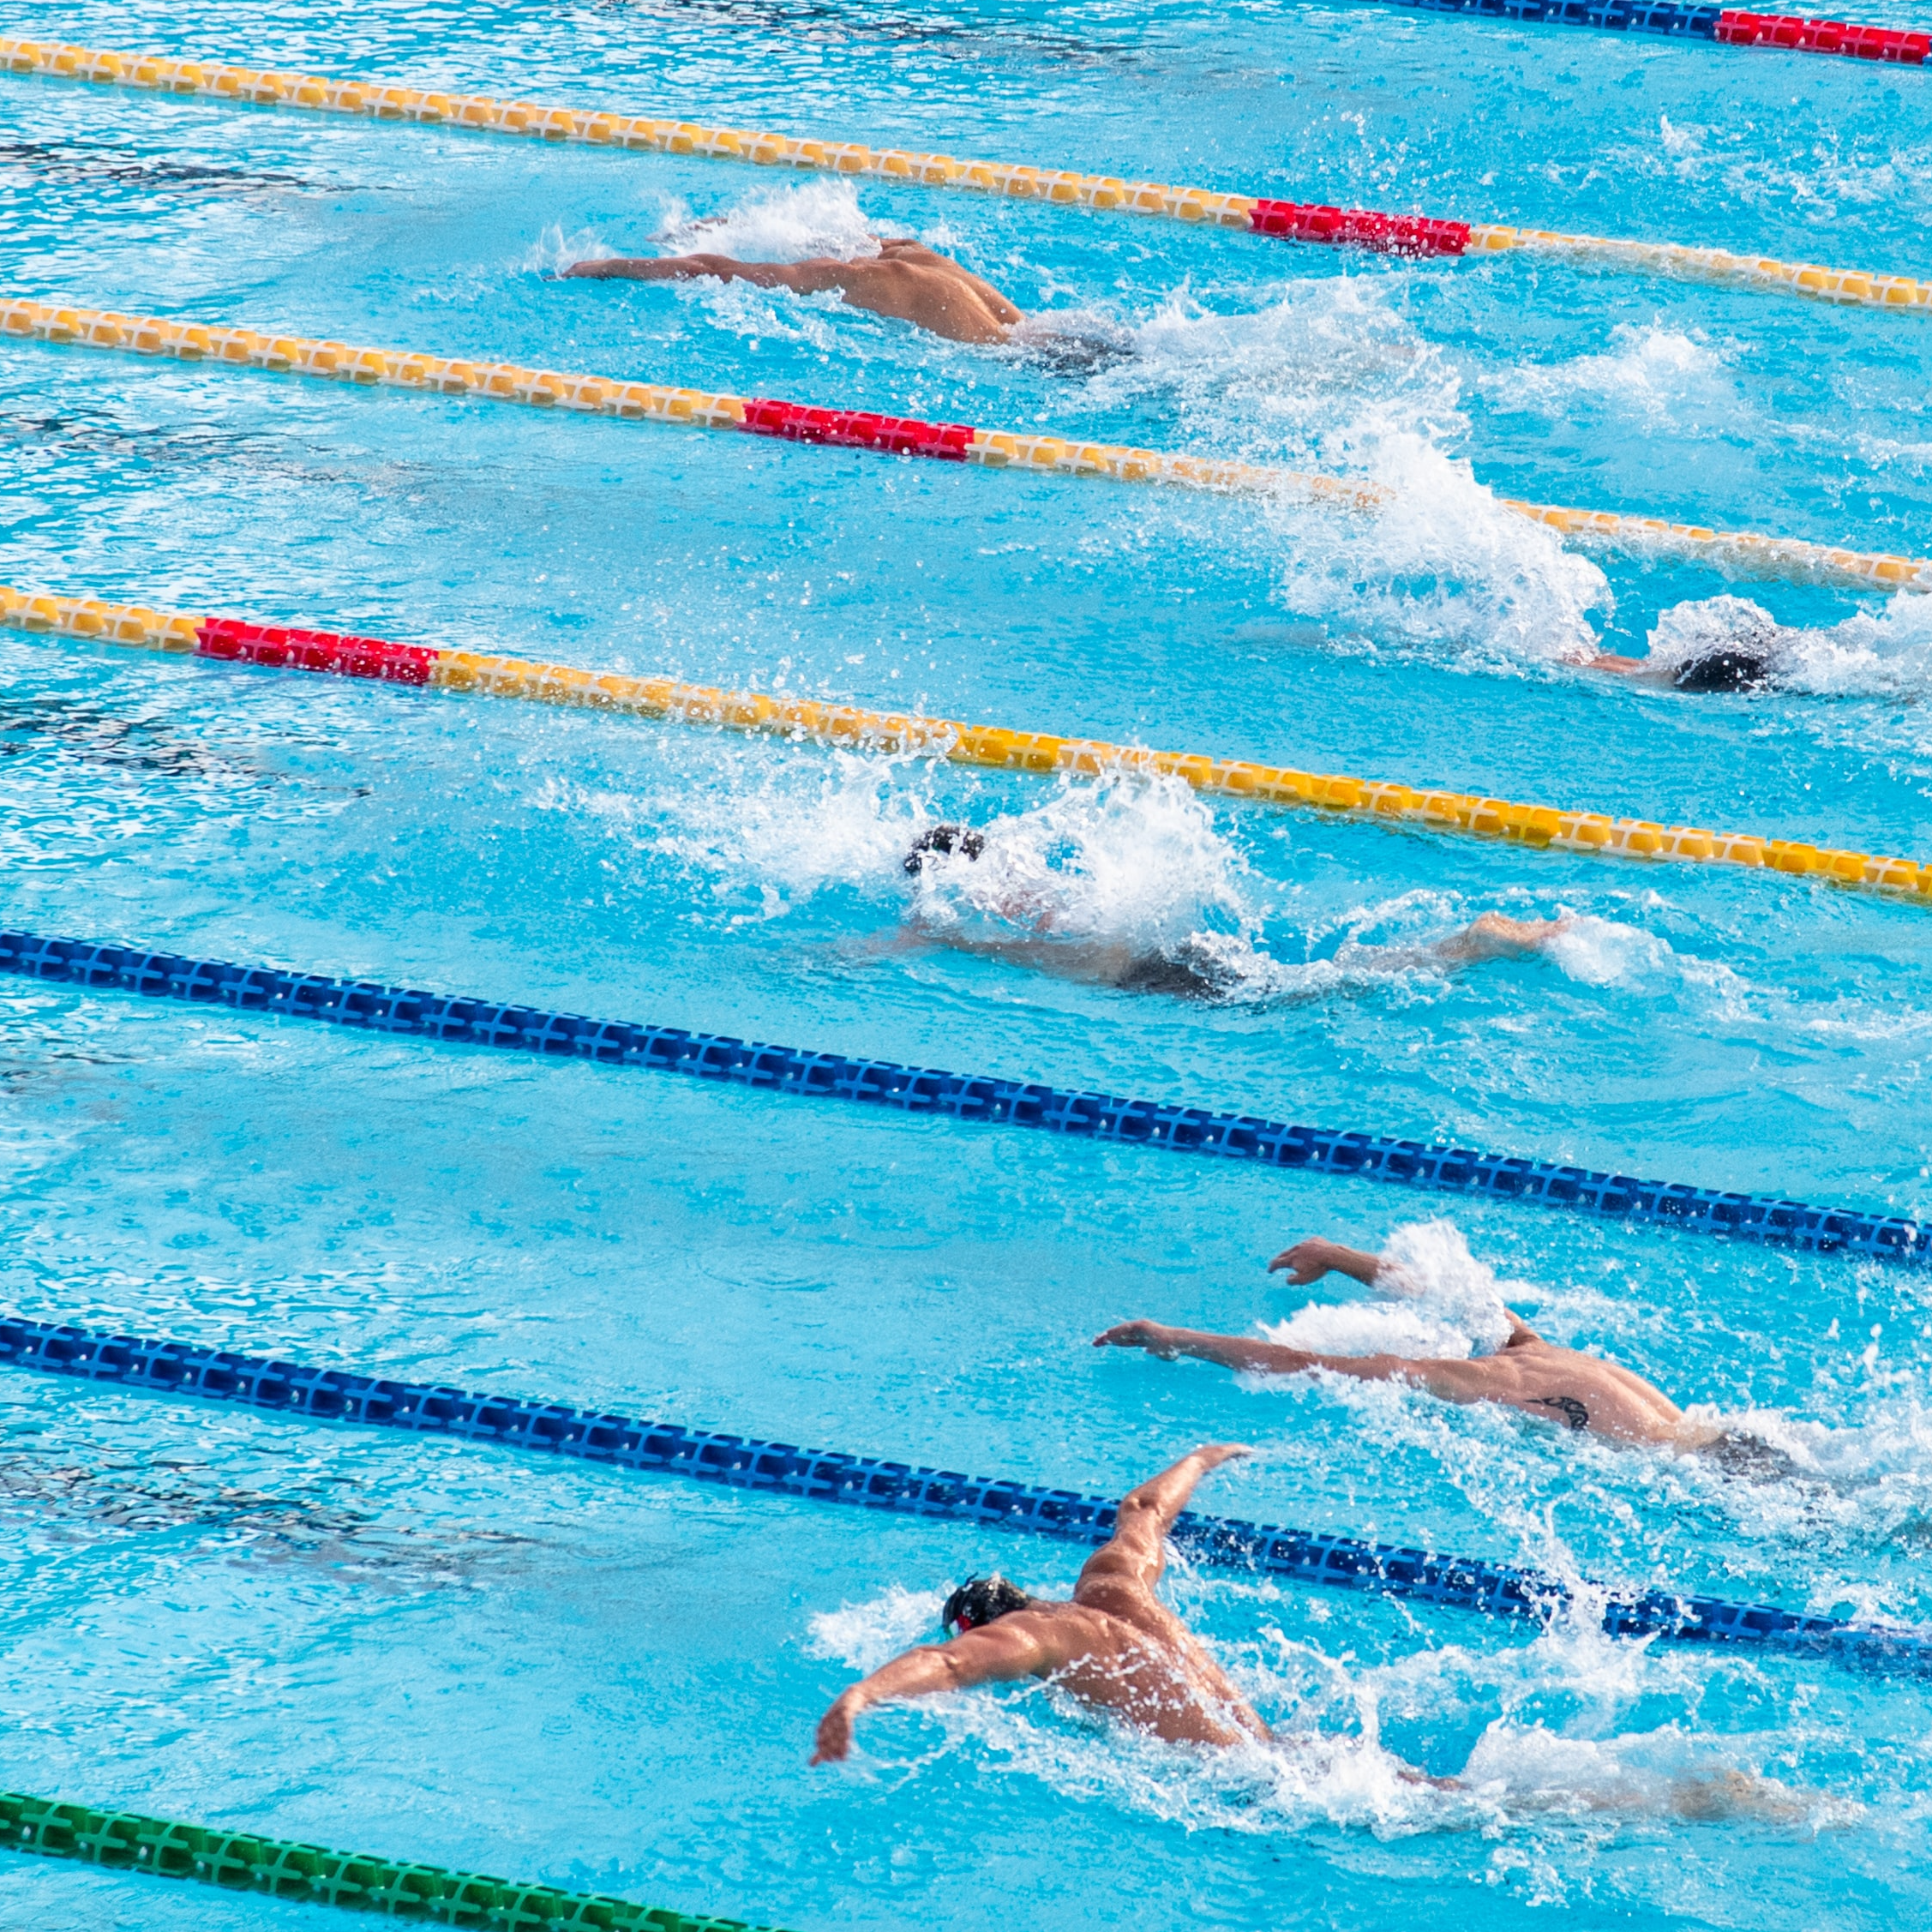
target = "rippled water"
x: 427, y: 1651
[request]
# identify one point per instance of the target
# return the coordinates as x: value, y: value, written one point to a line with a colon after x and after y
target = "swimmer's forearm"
x: 925, y: 1672
x: 1309, y: 1261
x: 1251, y: 1357
x: 984, y: 1656
x: 1231, y: 1351
x: 689, y: 268
x: 630, y: 268
x: 1164, y: 1497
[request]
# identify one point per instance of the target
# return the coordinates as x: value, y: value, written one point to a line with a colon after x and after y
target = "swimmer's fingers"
x: 1149, y: 1335
x: 1214, y: 1454
x: 834, y: 1742
x: 1302, y: 1263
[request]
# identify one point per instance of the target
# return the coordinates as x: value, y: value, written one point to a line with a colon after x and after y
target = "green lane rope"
x: 274, y: 1868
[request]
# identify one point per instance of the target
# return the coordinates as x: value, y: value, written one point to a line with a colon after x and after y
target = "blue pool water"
x: 441, y: 1653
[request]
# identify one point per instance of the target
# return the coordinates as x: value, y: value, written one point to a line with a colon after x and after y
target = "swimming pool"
x: 446, y: 1653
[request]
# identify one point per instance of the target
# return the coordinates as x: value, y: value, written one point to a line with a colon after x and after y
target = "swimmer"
x: 1559, y: 1385
x: 1114, y: 1646
x: 1732, y: 669
x: 1724, y: 645
x: 905, y: 280
x: 1188, y: 969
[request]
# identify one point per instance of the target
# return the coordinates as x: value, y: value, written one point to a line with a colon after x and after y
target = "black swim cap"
x: 1724, y: 671
x: 944, y: 838
x: 981, y: 1600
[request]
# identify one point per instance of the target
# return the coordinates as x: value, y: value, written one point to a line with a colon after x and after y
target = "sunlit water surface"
x: 609, y: 1682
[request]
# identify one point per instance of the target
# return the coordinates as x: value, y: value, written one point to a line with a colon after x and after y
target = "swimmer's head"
x: 1723, y: 670
x: 944, y: 840
x: 980, y: 1600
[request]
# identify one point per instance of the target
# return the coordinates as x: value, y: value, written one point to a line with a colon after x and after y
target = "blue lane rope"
x: 183, y: 1370
x: 1760, y: 1218
x: 1618, y: 16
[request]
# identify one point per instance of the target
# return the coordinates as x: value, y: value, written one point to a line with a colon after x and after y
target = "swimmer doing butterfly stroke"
x: 1541, y: 1378
x: 1115, y: 1647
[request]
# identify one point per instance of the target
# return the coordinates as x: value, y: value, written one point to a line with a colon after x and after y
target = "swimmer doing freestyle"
x: 1188, y: 969
x: 1557, y: 1385
x: 905, y: 280
x: 1741, y: 650
x: 1116, y: 1647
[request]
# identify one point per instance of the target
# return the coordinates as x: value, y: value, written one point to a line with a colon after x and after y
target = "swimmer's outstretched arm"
x: 803, y: 277
x: 1017, y: 1645
x: 1455, y: 1382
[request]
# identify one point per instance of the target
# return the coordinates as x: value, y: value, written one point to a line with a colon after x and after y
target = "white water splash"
x: 1885, y: 653
x: 1332, y: 377
x: 1664, y: 377
x: 1435, y: 1300
x: 792, y: 223
x: 553, y: 250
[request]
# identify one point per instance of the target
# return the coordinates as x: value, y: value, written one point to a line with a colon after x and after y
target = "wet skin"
x: 1114, y: 1646
x: 1560, y: 1385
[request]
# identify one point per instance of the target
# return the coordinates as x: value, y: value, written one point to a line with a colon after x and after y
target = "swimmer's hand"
x: 835, y: 1732
x: 1150, y: 1335
x: 1309, y: 1261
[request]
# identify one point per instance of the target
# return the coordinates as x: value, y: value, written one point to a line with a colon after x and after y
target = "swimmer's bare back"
x: 906, y: 280
x: 1114, y: 1646
x: 1560, y: 1385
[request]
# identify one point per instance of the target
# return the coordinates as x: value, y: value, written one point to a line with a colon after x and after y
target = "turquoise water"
x: 602, y: 1681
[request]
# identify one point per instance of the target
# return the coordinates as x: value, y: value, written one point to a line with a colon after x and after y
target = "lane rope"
x: 1538, y: 828
x: 1726, y: 26
x: 280, y: 1868
x: 1740, y: 552
x: 1301, y: 221
x: 1765, y: 1219
x: 187, y: 1371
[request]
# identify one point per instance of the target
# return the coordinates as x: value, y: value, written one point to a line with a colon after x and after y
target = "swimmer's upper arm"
x: 1137, y: 1552
x: 1455, y: 1382
x: 1013, y: 1648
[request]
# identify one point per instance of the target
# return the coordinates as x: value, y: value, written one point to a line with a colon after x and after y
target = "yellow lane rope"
x: 1010, y: 181
x: 1739, y: 552
x: 1539, y: 827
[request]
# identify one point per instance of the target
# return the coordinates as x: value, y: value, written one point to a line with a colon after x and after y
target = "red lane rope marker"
x: 1360, y: 228
x: 1796, y: 34
x: 334, y: 654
